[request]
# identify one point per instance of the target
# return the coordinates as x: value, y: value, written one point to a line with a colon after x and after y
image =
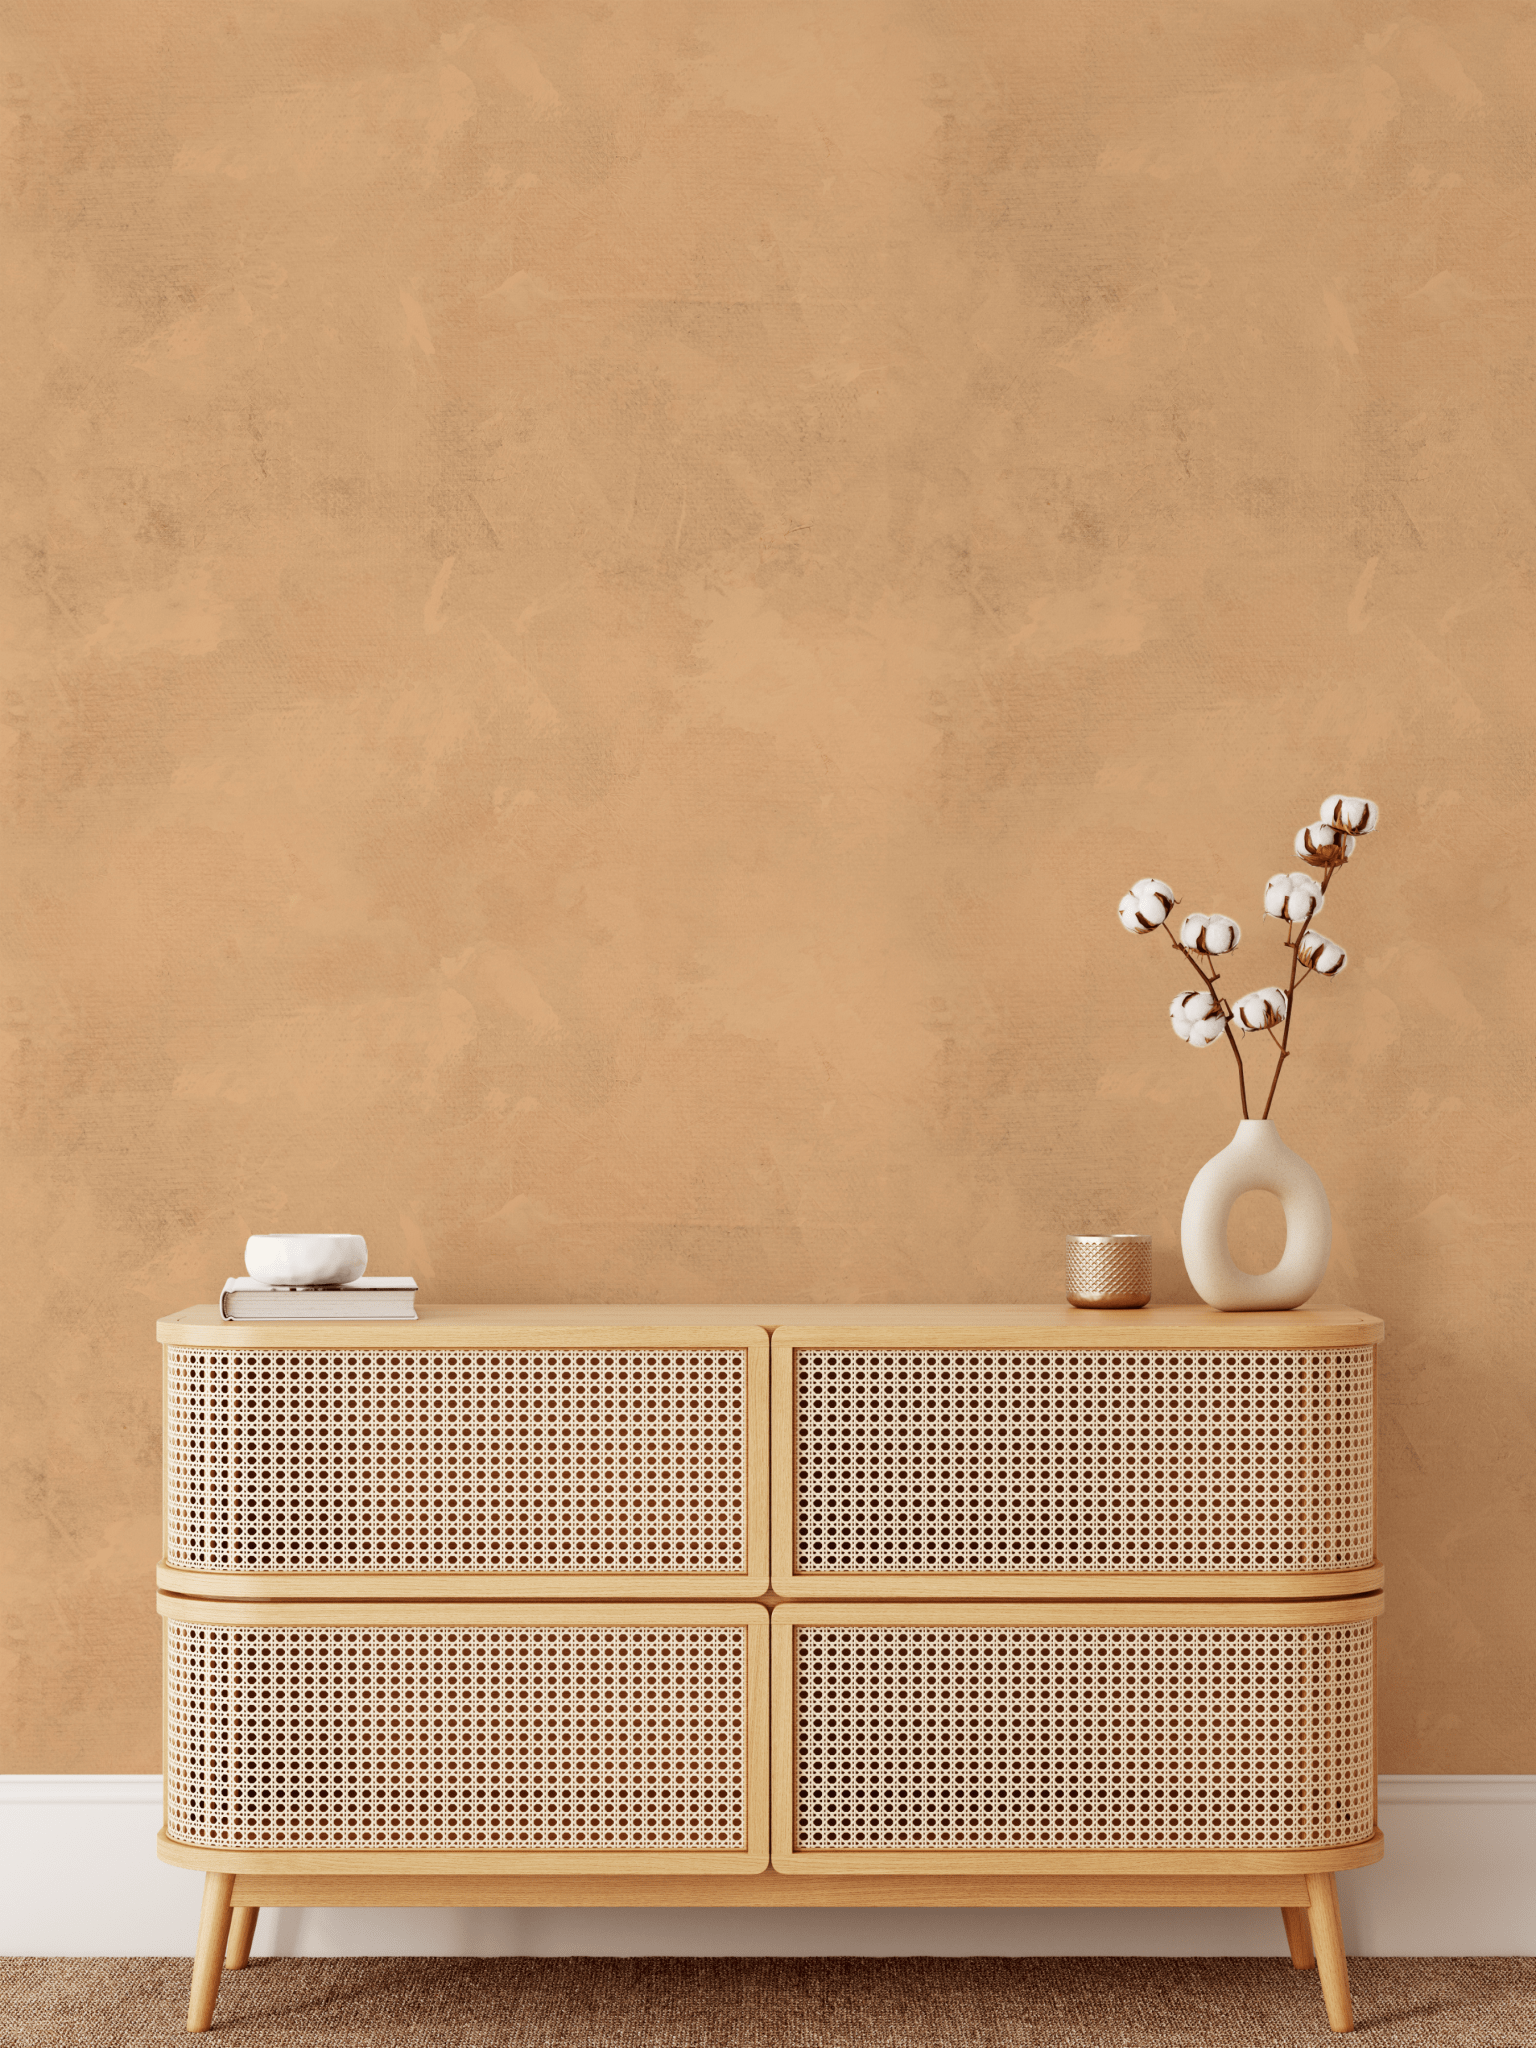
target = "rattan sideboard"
x: 1066, y: 1607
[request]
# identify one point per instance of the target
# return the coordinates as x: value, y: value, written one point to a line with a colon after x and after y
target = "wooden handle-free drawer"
x: 542, y: 1737
x: 940, y: 1465
x: 1013, y: 1737
x: 541, y: 1468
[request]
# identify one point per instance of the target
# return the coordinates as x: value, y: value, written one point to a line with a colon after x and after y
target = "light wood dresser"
x: 1065, y: 1607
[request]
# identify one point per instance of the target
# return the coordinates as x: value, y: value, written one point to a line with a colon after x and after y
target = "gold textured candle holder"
x: 1109, y: 1272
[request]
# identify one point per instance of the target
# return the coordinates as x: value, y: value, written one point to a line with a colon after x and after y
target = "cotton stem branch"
x: 1294, y: 942
x: 1225, y: 1008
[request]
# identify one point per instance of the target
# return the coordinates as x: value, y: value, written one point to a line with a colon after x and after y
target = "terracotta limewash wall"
x: 608, y: 595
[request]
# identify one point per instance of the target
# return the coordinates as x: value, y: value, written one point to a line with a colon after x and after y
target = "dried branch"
x: 1293, y: 940
x: 1225, y: 1008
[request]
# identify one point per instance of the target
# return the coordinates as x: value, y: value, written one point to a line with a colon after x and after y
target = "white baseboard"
x: 79, y: 1876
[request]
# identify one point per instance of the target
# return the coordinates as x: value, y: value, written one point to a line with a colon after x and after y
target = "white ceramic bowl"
x: 305, y: 1259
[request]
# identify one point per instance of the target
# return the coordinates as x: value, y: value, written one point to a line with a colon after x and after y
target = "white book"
x: 376, y: 1298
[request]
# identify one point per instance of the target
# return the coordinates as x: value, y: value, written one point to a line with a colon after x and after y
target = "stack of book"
x: 376, y: 1298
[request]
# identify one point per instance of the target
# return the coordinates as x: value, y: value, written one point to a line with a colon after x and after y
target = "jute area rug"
x: 769, y: 2002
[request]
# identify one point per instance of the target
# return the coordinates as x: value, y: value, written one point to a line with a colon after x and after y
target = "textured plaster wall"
x: 605, y: 599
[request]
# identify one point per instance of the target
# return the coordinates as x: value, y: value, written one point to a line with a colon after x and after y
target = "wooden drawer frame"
x: 494, y: 1330
x: 463, y: 1616
x: 1044, y: 1331
x: 791, y: 1859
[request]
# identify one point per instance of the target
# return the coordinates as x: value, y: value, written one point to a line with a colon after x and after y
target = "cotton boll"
x: 1193, y: 1005
x: 1196, y: 1016
x: 1294, y: 897
x: 1351, y: 813
x: 1261, y: 1008
x: 1210, y: 933
x: 1321, y: 954
x: 1160, y: 892
x: 1200, y: 1030
x: 1324, y: 845
x: 1306, y: 896
x: 1146, y: 904
x: 1192, y: 1012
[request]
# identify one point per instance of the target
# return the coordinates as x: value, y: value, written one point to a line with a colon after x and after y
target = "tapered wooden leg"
x: 1328, y: 1942
x: 242, y: 1932
x: 1297, y: 1933
x: 208, y: 1964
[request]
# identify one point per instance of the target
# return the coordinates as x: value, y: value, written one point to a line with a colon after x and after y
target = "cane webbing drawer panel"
x: 966, y: 1734
x: 584, y: 1736
x: 583, y: 1468
x: 928, y: 1465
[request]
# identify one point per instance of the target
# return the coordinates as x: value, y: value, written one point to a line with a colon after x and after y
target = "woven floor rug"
x: 768, y: 2002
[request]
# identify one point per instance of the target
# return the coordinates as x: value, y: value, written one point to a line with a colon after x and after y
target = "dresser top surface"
x: 992, y: 1324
